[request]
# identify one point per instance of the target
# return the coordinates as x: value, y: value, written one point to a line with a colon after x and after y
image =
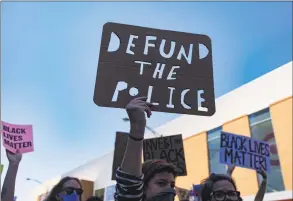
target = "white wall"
x: 98, y: 170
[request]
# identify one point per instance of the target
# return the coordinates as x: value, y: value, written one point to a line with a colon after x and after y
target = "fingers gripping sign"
x: 263, y: 173
x: 13, y: 158
x: 136, y: 108
x: 231, y: 168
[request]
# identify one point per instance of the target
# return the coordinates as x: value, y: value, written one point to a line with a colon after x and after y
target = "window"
x: 214, y: 137
x: 262, y: 129
x: 110, y: 190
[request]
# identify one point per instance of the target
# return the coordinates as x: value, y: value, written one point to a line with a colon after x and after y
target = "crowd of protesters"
x: 153, y: 180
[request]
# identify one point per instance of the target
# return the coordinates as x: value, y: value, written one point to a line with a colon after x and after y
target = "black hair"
x: 152, y: 167
x: 208, y: 184
x: 58, y: 188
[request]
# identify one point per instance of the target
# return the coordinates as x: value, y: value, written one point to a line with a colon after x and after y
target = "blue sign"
x: 245, y: 152
x: 196, y: 189
x: 15, y: 197
x: 110, y: 190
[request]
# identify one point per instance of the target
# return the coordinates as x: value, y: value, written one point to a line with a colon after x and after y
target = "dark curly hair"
x: 152, y: 167
x: 58, y: 187
x: 207, y: 185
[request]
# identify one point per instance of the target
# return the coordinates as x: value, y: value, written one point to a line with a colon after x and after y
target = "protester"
x: 67, y: 189
x: 94, y: 198
x: 8, y: 188
x: 262, y: 189
x: 219, y: 187
x: 152, y: 180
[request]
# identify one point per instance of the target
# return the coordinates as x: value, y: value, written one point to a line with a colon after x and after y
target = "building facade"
x: 261, y: 109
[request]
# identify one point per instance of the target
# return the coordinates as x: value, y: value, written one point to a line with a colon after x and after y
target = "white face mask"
x: 167, y: 195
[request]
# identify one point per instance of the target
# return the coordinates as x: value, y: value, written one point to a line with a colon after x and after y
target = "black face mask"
x: 167, y: 195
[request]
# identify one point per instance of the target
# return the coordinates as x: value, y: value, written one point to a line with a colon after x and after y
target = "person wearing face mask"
x: 67, y: 189
x: 151, y: 181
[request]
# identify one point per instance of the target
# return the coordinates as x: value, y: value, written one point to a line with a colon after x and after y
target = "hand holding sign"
x: 136, y: 109
x: 230, y: 169
x: 13, y: 158
x: 17, y: 137
x: 263, y: 173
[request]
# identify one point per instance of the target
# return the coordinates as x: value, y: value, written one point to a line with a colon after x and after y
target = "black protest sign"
x: 169, y: 148
x: 173, y: 69
x: 120, y: 147
x: 244, y: 152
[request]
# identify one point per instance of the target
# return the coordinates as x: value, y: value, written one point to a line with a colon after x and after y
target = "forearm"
x: 132, y: 161
x: 261, y: 191
x: 7, y: 193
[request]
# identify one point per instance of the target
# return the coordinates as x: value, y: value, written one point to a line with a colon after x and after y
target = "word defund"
x: 150, y: 43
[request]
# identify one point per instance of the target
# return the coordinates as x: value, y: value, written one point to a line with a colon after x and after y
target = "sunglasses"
x: 222, y: 195
x: 70, y: 190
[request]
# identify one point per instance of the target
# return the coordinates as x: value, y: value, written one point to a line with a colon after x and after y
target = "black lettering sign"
x: 244, y: 152
x: 173, y: 69
x: 169, y: 148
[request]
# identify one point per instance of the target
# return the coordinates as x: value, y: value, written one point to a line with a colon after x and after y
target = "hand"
x: 230, y: 169
x: 13, y: 158
x: 136, y: 109
x: 263, y: 173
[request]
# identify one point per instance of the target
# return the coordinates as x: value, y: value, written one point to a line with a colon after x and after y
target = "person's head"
x: 158, y: 177
x: 67, y: 186
x: 94, y: 198
x: 219, y: 187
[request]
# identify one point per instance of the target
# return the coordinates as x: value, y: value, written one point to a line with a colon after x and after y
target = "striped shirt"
x: 128, y: 187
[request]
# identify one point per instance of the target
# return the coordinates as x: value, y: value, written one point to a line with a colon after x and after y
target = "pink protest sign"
x: 17, y: 137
